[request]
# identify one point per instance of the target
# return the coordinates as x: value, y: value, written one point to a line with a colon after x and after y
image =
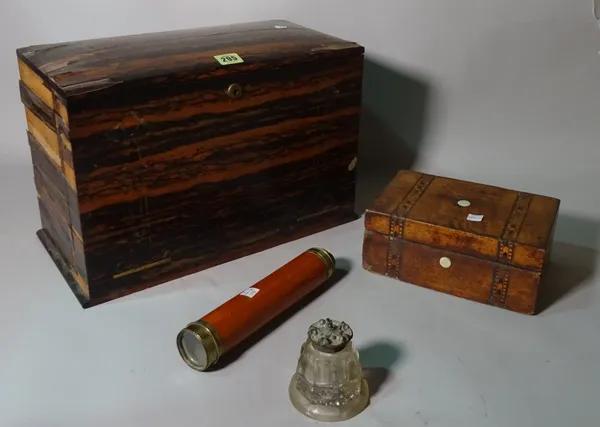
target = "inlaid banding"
x: 499, y: 288
x: 506, y: 245
x: 397, y: 220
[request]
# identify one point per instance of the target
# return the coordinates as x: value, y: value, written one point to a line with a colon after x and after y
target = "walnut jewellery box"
x: 159, y: 155
x: 475, y: 241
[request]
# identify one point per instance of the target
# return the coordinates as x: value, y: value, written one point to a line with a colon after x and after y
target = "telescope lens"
x: 192, y: 350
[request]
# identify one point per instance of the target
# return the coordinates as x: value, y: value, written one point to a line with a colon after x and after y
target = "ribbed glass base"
x: 326, y: 404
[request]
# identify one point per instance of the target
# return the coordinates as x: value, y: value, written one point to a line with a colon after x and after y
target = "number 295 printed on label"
x: 228, y: 58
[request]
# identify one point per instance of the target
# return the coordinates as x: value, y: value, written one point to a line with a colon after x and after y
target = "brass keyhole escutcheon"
x: 234, y: 91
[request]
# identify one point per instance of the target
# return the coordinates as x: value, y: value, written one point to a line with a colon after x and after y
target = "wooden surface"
x: 498, y: 260
x: 516, y: 228
x: 467, y: 277
x: 86, y: 66
x: 164, y: 174
x: 241, y: 316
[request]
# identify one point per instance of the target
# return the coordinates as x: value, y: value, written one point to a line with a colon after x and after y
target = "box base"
x: 63, y: 267
x: 87, y: 302
x: 475, y: 279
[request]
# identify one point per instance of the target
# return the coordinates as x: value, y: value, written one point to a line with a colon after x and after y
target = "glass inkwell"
x: 328, y: 384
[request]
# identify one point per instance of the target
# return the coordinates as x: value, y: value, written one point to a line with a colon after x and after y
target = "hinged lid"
x: 91, y: 65
x: 475, y: 219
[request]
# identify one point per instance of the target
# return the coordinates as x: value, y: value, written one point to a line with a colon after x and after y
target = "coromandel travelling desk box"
x: 159, y: 155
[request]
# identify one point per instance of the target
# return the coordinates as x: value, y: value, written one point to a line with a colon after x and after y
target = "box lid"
x: 90, y: 65
x: 480, y: 220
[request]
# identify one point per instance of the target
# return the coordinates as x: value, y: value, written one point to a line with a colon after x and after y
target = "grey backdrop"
x: 502, y: 92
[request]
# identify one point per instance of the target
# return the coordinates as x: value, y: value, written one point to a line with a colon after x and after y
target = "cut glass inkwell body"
x: 328, y: 384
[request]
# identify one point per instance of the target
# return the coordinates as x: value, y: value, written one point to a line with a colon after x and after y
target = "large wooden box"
x: 159, y: 155
x: 475, y: 241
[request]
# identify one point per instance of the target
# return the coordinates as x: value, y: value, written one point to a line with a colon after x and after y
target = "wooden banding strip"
x: 35, y: 84
x: 45, y: 136
x: 83, y: 285
x: 142, y: 268
x: 66, y: 142
x: 69, y: 174
x: 61, y: 109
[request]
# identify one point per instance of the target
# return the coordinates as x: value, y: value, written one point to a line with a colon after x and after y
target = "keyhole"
x: 234, y: 91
